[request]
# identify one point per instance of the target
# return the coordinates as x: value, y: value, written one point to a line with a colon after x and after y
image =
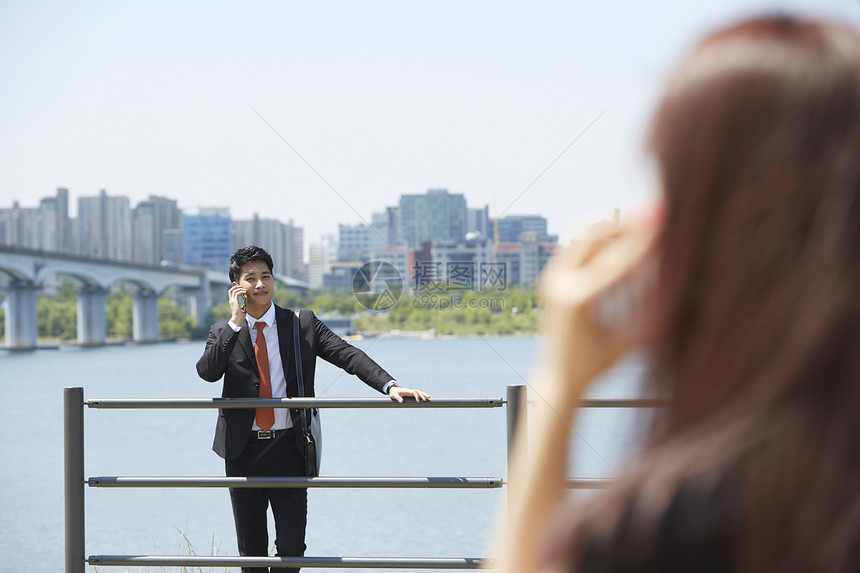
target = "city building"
x: 524, y: 260
x: 401, y: 258
x: 152, y: 220
x: 429, y: 238
x: 206, y: 238
x: 461, y: 264
x: 321, y: 255
x: 529, y: 259
x: 508, y: 256
x: 388, y: 224
x: 144, y: 249
x: 422, y: 271
x: 6, y: 227
x: 478, y: 222
x: 512, y: 226
x: 49, y: 224
x: 55, y: 225
x: 296, y: 251
x: 284, y: 242
x: 46, y: 227
x: 20, y: 227
x: 172, y: 246
x: 357, y: 242
x: 341, y: 275
x: 104, y: 227
x: 435, y: 216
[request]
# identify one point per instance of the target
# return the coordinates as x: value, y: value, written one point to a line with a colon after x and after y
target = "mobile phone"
x: 623, y: 305
x: 243, y: 302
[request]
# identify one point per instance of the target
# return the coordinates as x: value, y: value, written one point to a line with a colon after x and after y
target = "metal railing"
x: 75, y: 480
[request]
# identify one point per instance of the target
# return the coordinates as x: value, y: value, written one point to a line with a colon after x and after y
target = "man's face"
x: 259, y: 284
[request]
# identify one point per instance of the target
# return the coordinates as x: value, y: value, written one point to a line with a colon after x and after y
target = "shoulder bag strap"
x: 297, y: 350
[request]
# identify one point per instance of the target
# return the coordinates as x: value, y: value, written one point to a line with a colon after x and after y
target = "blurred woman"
x: 746, y: 297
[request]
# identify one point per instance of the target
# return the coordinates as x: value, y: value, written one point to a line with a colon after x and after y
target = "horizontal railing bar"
x: 285, y: 562
x: 298, y: 482
x: 228, y: 403
x: 326, y: 482
x: 623, y: 403
x: 241, y: 403
x: 582, y: 483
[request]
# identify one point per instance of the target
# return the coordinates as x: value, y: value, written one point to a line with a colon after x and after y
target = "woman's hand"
x: 594, y: 294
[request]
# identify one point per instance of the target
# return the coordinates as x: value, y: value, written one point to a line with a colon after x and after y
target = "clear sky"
x: 376, y: 98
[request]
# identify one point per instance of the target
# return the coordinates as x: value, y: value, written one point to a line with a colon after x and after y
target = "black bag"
x: 311, y: 429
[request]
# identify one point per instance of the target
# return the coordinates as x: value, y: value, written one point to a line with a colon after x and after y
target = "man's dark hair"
x: 244, y: 255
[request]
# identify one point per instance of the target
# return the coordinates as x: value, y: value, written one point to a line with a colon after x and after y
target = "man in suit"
x: 253, y: 352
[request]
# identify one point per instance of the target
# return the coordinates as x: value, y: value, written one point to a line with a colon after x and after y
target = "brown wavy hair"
x: 756, y: 315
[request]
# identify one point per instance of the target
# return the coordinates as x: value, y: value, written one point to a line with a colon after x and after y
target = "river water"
x: 341, y: 522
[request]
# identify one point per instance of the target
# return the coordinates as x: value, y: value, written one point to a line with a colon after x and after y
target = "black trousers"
x: 277, y: 457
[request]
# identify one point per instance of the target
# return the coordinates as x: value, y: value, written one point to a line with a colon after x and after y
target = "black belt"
x: 268, y: 434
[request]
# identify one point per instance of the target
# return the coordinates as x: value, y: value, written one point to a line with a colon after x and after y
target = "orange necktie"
x: 265, y: 416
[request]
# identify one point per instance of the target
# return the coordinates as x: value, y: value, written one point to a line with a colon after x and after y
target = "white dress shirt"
x: 276, y: 368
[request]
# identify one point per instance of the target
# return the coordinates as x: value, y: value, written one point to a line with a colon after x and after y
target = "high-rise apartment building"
x: 145, y: 247
x: 5, y: 227
x: 49, y: 224
x: 91, y: 235
x: 151, y: 234
x: 104, y: 227
x: 152, y: 220
x: 20, y: 227
x: 46, y: 227
x: 54, y: 226
x: 118, y: 226
x: 435, y: 216
x: 284, y: 242
x: 242, y: 234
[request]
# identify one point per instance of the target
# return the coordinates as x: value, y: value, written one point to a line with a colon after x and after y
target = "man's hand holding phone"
x: 238, y: 304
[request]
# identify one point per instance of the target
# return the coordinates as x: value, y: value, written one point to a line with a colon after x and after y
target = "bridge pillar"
x: 145, y: 317
x: 203, y: 301
x: 20, y: 322
x: 92, y: 323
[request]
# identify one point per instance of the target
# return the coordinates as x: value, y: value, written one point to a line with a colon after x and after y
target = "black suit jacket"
x: 230, y: 354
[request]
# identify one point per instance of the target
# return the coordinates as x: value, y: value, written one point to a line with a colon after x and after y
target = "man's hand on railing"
x: 397, y: 393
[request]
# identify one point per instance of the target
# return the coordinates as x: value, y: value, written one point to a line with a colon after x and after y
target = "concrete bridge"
x: 22, y: 273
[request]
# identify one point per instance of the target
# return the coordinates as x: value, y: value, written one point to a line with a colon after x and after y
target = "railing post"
x: 516, y: 398
x: 73, y: 436
x: 517, y: 414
